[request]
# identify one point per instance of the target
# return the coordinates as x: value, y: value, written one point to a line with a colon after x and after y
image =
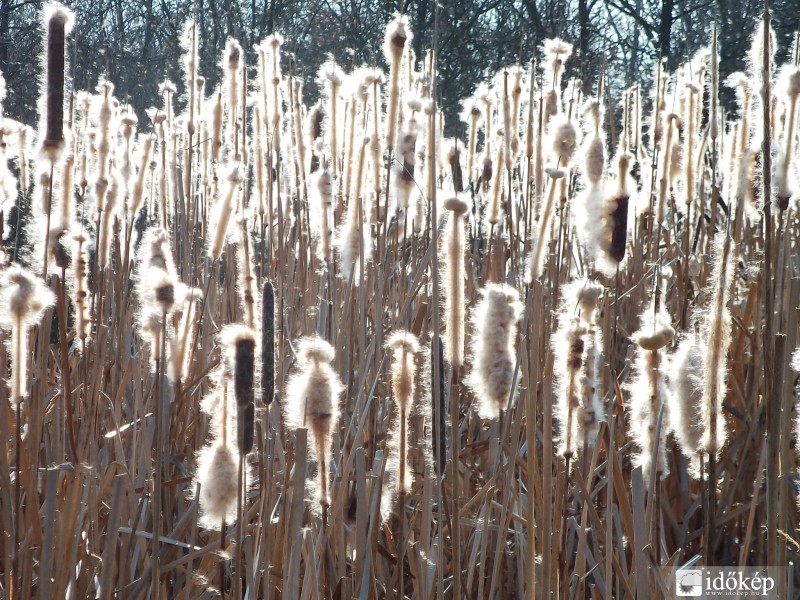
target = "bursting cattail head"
x: 648, y: 393
x: 556, y: 53
x: 493, y: 352
x: 180, y: 345
x: 218, y: 475
x: 224, y: 209
x: 454, y: 249
x: 58, y: 22
x: 312, y: 401
x: 577, y: 348
x: 23, y: 298
x: 451, y: 156
x: 563, y: 140
x: 594, y: 151
x: 312, y: 393
x: 686, y: 382
x: 398, y: 35
x: 789, y: 81
x: 608, y: 237
x: 655, y: 334
x: 404, y: 346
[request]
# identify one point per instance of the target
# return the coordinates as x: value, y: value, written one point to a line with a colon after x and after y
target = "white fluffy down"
x: 493, y: 353
x: 217, y: 472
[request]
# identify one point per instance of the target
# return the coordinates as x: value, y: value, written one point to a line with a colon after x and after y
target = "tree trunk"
x: 664, y: 31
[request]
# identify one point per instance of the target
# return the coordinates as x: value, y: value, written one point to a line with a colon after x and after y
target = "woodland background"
x: 136, y: 43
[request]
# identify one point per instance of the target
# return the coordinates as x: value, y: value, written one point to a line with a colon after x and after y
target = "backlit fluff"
x: 181, y: 344
x: 648, y: 393
x: 577, y: 347
x: 605, y: 234
x: 223, y: 211
x: 312, y: 401
x: 158, y: 289
x: 717, y: 333
x: 23, y: 300
x: 686, y: 382
x: 218, y: 475
x: 397, y: 36
x: 563, y: 140
x: 403, y: 347
x: 455, y: 247
x: 493, y: 351
x: 321, y: 217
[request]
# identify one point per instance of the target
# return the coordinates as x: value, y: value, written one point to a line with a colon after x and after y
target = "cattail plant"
x: 8, y: 182
x: 471, y: 115
x: 274, y: 113
x: 395, y: 40
x: 537, y: 255
x: 23, y: 300
x: 267, y: 343
x: 563, y: 140
x: 239, y: 347
x: 404, y: 184
x: 321, y: 217
x: 181, y: 343
x: 648, y: 393
x: 330, y: 78
x: 218, y: 462
x: 353, y: 240
x: 245, y: 276
x: 605, y: 236
x: 494, y: 208
x: 223, y: 211
x: 217, y: 474
x: 556, y: 53
x: 789, y: 87
x: 232, y: 68
x: 454, y: 245
x: 58, y: 22
x: 493, y: 353
x: 80, y: 286
x: 717, y: 336
x: 159, y: 290
x: 686, y: 385
x: 577, y: 347
x: 404, y: 348
x: 312, y: 401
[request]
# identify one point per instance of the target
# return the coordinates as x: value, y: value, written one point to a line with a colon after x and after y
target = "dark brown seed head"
x: 619, y: 229
x: 165, y: 295
x: 56, y: 37
x: 243, y: 369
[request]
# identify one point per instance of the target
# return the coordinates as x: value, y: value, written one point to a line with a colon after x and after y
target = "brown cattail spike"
x: 59, y: 23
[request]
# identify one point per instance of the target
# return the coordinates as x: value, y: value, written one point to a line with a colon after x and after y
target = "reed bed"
x: 259, y: 349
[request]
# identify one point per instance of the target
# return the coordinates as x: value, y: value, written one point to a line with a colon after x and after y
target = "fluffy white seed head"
x: 312, y: 400
x: 493, y: 353
x: 686, y: 377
